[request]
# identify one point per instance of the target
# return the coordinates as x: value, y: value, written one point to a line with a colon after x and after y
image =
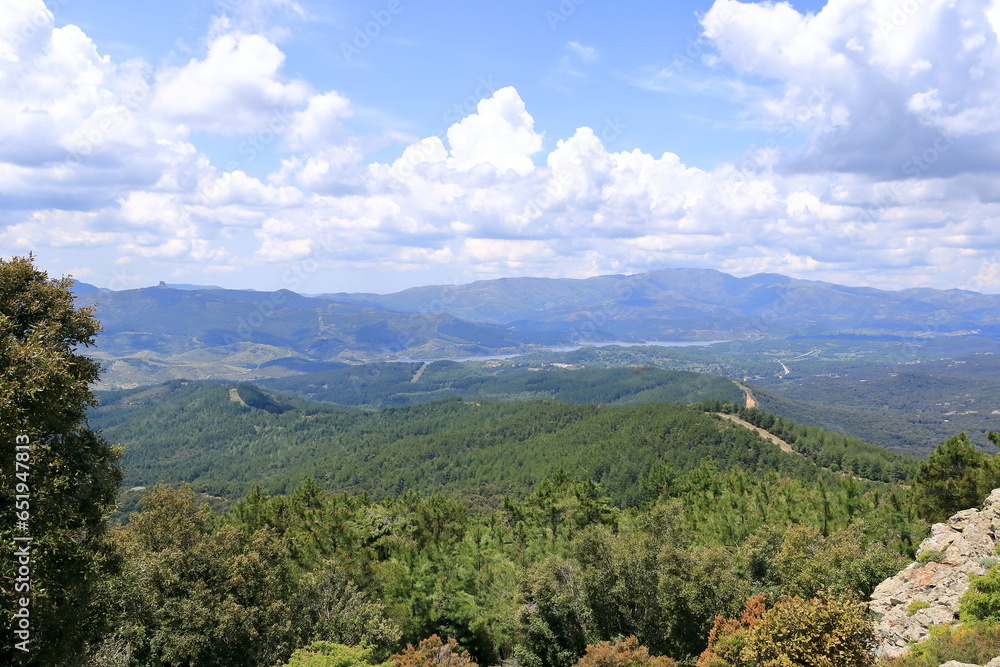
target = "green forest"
x: 541, y: 532
x: 228, y: 439
x: 384, y: 384
x: 435, y: 517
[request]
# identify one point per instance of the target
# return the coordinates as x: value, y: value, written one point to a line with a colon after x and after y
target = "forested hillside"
x: 906, y: 394
x: 405, y: 383
x: 534, y: 513
x: 542, y: 579
x: 228, y: 439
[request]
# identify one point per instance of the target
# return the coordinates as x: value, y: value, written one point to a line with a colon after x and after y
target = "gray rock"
x: 965, y: 538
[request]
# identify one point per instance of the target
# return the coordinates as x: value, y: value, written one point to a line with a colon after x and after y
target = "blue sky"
x: 372, y: 146
x: 433, y: 62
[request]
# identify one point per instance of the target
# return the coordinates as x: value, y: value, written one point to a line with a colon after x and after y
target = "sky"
x: 372, y: 146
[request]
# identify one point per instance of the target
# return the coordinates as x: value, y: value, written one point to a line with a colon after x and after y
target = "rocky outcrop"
x: 928, y: 593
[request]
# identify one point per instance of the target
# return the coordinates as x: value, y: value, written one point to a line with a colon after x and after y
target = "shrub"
x: 982, y: 601
x: 811, y: 633
x: 328, y: 654
x: 974, y: 643
x: 623, y: 653
x: 931, y: 556
x: 727, y: 634
x: 433, y: 652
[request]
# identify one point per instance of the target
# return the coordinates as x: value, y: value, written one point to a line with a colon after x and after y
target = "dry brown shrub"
x: 433, y: 652
x: 623, y: 653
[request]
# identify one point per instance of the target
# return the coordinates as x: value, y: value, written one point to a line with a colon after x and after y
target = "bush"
x: 623, y: 653
x: 974, y: 643
x: 931, y: 556
x: 812, y: 633
x: 328, y: 654
x: 982, y: 601
x: 433, y: 652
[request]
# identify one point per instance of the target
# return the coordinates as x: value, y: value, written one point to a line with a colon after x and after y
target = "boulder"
x: 928, y: 593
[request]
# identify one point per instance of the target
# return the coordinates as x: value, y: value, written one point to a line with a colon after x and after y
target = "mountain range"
x: 159, y: 333
x: 694, y: 303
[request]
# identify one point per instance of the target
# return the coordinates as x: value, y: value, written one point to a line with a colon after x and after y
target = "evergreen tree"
x: 956, y: 476
x: 58, y: 475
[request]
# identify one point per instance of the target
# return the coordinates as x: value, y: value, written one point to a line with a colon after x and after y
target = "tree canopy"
x: 57, y: 474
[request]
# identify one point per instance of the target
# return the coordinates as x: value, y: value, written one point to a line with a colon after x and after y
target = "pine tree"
x: 956, y: 476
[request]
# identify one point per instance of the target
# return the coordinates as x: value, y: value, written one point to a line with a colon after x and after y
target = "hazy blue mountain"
x: 695, y: 303
x: 84, y: 288
x: 158, y: 333
x: 188, y: 286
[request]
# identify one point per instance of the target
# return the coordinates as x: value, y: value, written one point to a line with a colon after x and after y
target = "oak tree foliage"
x: 71, y: 476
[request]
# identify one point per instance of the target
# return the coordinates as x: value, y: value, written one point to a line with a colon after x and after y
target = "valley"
x: 908, y: 370
x: 534, y: 505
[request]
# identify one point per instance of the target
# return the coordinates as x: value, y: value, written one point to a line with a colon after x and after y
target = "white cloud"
x: 896, y: 179
x: 255, y: 16
x: 587, y: 54
x: 328, y: 170
x: 501, y: 133
x: 319, y: 123
x: 874, y: 82
x: 235, y: 89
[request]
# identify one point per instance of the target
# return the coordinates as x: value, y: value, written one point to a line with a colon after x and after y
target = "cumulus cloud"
x: 501, y: 133
x: 875, y: 83
x: 319, y: 123
x: 235, y: 89
x: 896, y: 179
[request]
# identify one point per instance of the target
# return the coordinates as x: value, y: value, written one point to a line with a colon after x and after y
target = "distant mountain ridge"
x: 158, y: 333
x: 693, y: 303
